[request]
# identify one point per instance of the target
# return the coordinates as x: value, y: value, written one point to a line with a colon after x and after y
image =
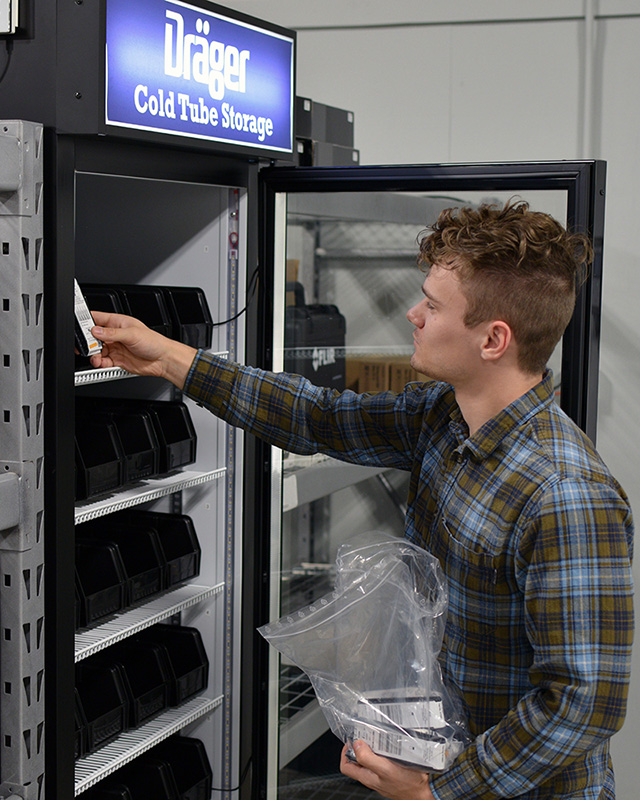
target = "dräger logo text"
x: 197, y: 60
x: 193, y: 57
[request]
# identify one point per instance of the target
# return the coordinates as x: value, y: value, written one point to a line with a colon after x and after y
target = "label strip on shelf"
x: 118, y: 627
x: 143, y: 492
x: 89, y: 376
x: 96, y: 766
x: 84, y: 377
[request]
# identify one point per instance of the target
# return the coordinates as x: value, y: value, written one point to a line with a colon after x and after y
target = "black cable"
x: 242, y: 779
x: 251, y: 288
x: 9, y: 43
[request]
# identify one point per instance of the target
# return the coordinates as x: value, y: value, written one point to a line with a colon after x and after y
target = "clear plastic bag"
x: 370, y: 649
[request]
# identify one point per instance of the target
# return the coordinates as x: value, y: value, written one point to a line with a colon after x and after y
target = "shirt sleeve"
x: 288, y: 411
x: 575, y: 576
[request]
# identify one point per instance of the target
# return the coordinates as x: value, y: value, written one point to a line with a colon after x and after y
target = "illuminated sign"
x: 176, y: 68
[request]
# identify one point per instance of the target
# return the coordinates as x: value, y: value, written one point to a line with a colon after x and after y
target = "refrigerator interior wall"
x: 167, y: 233
x: 357, y: 251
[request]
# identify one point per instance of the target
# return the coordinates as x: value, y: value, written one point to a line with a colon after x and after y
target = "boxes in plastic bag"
x: 370, y: 649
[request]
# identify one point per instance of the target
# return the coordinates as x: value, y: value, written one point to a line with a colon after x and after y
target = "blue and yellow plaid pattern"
x: 535, y: 538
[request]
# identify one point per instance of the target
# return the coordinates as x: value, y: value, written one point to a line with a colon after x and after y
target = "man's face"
x: 444, y: 348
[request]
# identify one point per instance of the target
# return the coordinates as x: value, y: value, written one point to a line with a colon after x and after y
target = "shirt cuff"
x: 192, y: 370
x: 464, y: 779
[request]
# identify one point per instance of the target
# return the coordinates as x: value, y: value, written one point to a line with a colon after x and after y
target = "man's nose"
x: 413, y: 316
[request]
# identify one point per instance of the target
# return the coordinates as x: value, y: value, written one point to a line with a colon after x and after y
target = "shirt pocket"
x: 472, y: 575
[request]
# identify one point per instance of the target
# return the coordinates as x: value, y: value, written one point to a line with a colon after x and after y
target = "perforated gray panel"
x: 21, y: 461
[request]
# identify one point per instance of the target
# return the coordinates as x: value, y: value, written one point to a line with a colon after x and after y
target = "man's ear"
x: 498, y: 336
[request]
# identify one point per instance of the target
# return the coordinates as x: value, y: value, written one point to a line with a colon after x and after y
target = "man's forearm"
x: 176, y: 362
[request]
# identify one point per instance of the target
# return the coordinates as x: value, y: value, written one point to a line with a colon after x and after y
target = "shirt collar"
x: 487, y: 438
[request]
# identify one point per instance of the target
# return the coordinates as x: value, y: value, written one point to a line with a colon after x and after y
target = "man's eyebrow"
x: 428, y: 294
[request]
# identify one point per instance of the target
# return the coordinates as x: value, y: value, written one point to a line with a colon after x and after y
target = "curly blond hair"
x: 517, y: 265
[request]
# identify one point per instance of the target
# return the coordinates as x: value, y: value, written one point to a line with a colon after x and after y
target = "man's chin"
x: 426, y: 373
x: 415, y: 364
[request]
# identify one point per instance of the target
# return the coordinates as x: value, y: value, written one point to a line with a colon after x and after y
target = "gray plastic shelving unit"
x: 21, y: 463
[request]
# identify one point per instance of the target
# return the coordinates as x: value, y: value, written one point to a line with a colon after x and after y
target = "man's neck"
x: 479, y: 402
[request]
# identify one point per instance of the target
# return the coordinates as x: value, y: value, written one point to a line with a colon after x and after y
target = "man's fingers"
x: 356, y: 771
x: 107, y: 334
x: 128, y: 335
x: 105, y: 318
x: 365, y: 755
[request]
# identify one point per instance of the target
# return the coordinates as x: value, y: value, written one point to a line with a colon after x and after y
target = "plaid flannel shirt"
x: 535, y: 538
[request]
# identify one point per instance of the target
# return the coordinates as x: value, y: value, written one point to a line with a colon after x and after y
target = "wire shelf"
x: 143, y: 492
x: 119, y: 626
x: 86, y: 377
x: 325, y: 787
x: 302, y: 586
x: 296, y: 691
x: 93, y: 768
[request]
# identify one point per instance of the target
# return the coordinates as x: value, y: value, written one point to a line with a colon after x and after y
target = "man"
x: 533, y: 533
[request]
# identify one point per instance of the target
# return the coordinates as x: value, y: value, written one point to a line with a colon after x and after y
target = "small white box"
x: 406, y: 726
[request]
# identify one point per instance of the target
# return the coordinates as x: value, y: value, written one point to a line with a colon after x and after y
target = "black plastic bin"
x: 80, y: 746
x: 140, y: 554
x: 102, y: 297
x: 176, y: 435
x: 104, y: 703
x: 109, y: 791
x: 137, y: 439
x: 178, y: 541
x: 148, y: 304
x: 188, y: 759
x: 147, y: 778
x: 144, y: 677
x: 315, y: 340
x: 99, y: 298
x: 100, y: 580
x: 78, y: 605
x: 191, y: 320
x: 175, y: 431
x: 186, y: 659
x: 99, y: 459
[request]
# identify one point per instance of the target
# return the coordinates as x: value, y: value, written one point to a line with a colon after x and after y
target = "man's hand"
x: 386, y: 777
x: 129, y: 344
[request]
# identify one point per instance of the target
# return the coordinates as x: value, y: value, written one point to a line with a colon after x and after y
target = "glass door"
x: 344, y: 275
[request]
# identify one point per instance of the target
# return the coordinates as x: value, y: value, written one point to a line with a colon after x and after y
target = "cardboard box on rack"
x: 401, y: 373
x: 367, y: 373
x: 379, y: 373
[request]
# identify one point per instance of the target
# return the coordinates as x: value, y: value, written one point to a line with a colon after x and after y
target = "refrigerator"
x: 346, y: 241
x: 277, y: 251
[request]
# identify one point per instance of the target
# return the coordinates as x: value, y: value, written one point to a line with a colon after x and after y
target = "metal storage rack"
x: 21, y: 459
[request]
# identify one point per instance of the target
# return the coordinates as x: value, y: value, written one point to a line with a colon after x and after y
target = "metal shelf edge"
x: 95, y: 767
x: 137, y: 619
x: 143, y: 492
x: 86, y: 377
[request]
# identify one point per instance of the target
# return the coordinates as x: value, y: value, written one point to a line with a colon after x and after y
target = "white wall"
x: 504, y: 80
